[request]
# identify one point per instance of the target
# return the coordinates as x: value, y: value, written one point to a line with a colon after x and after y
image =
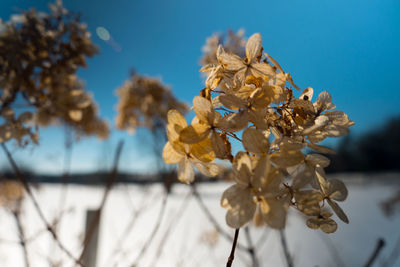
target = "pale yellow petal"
x: 75, y: 114
x: 176, y: 118
x: 203, y: 150
x: 208, y: 169
x: 170, y: 155
x: 185, y: 171
x: 262, y: 69
x: 229, y: 61
x: 253, y: 47
x: 176, y: 122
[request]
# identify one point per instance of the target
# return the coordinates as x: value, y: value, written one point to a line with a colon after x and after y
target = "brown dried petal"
x: 328, y: 226
x: 241, y: 207
x: 234, y: 122
x: 203, y: 109
x: 231, y: 101
x: 254, y: 141
x: 219, y: 146
x: 339, y: 212
x: 324, y: 102
x: 287, y: 158
x: 194, y: 133
x: 274, y: 213
x: 242, y: 167
x: 315, y: 159
x: 321, y: 149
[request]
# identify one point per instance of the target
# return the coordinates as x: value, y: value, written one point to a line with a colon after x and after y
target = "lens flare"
x: 103, y: 33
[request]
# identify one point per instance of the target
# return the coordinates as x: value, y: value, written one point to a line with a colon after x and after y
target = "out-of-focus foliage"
x: 39, y: 56
x: 232, y: 42
x: 144, y: 102
x: 248, y: 99
x: 375, y: 150
x: 10, y: 192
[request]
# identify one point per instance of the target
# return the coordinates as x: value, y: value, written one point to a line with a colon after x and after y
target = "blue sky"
x: 348, y: 47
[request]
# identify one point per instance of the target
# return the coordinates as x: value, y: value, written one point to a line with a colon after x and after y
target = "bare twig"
x: 112, y: 178
x: 213, y: 220
x: 232, y: 255
x: 251, y: 248
x: 121, y: 240
x: 27, y: 188
x: 379, y: 245
x: 67, y: 166
x: 331, y: 247
x: 167, y: 232
x: 64, y: 180
x: 289, y: 260
x: 153, y: 233
x: 17, y: 216
x: 391, y: 260
x: 260, y: 242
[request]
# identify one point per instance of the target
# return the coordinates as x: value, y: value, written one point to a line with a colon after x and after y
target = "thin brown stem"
x: 21, y: 232
x: 232, y: 255
x: 135, y: 215
x: 27, y: 188
x: 167, y: 232
x: 213, y: 221
x: 289, y: 260
x: 153, y: 233
x: 95, y: 222
x: 251, y: 249
x: 379, y: 246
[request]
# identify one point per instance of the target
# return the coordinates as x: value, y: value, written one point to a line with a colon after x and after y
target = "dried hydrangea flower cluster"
x: 39, y: 56
x: 232, y: 43
x: 247, y: 100
x: 144, y: 102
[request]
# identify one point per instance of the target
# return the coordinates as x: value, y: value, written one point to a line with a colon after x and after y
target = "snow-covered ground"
x: 188, y: 236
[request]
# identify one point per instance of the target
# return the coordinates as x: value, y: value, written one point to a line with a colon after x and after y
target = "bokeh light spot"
x: 103, y: 33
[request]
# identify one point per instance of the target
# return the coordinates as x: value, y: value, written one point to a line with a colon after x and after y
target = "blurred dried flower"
x: 144, y: 102
x: 10, y: 192
x: 39, y: 56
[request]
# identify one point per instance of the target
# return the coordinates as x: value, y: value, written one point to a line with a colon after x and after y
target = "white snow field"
x: 188, y: 237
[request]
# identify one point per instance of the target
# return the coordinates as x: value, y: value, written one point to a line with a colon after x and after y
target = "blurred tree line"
x: 375, y: 150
